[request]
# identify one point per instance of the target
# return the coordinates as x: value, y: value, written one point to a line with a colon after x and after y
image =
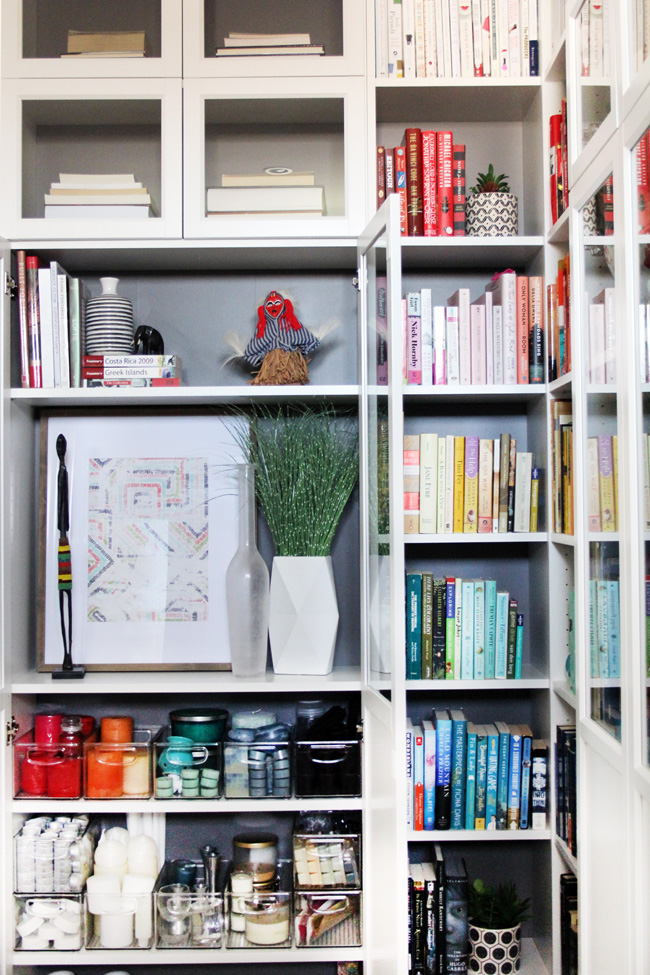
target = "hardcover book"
x: 442, y: 722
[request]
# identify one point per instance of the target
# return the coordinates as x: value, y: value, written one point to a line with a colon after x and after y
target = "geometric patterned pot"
x: 303, y: 614
x: 494, y: 951
x: 491, y: 215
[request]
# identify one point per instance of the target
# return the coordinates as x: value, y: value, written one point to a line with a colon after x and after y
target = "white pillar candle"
x: 116, y: 930
x: 110, y: 857
x: 270, y: 928
x: 142, y: 856
x: 102, y: 892
x: 118, y: 833
x: 142, y: 887
x: 136, y: 775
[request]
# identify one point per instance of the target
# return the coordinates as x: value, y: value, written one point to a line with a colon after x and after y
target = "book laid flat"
x: 103, y: 198
x: 267, y: 179
x: 84, y: 42
x: 237, y: 39
x: 248, y: 199
x: 263, y: 51
x: 97, y: 211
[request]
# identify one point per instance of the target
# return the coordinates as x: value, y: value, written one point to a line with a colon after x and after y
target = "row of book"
x: 276, y: 191
x: 427, y: 171
x: 559, y: 162
x: 451, y: 39
x: 601, y: 345
x: 461, y: 629
x: 594, y: 33
x: 558, y: 316
x: 498, y: 339
x: 642, y: 161
x: 569, y: 924
x: 562, y: 466
x: 604, y: 628
x: 566, y: 820
x: 97, y: 195
x: 462, y: 775
x: 468, y: 484
x: 437, y: 896
x: 248, y: 44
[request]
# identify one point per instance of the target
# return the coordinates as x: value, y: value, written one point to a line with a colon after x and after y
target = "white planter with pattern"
x: 491, y: 215
x: 494, y: 951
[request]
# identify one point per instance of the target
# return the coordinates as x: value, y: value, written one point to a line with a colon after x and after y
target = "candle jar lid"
x: 255, y: 840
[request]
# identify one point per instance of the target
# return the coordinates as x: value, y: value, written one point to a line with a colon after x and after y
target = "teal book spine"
x: 492, y: 777
x: 470, y: 781
x: 602, y: 628
x: 594, y: 664
x: 458, y: 768
x: 490, y: 627
x: 514, y: 781
x: 613, y: 628
x: 519, y: 645
x: 526, y: 768
x: 479, y: 629
x: 481, y: 779
x: 467, y: 631
x: 413, y: 625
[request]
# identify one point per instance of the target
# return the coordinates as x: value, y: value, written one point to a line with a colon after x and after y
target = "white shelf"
x: 563, y: 691
x: 477, y: 538
x: 516, y: 393
x: 469, y: 252
x: 198, y: 396
x: 479, y: 835
x: 480, y: 686
x: 566, y: 854
x: 185, y: 807
x: 186, y: 956
x: 559, y: 538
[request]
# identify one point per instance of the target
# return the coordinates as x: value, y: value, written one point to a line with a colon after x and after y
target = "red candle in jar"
x: 104, y: 773
x: 117, y: 729
x: 33, y: 773
x: 47, y: 728
x: 64, y: 776
x: 87, y: 725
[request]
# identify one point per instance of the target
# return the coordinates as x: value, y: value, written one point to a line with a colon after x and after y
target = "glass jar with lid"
x: 256, y: 853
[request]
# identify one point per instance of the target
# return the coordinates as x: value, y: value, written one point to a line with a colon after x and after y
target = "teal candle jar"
x: 200, y: 724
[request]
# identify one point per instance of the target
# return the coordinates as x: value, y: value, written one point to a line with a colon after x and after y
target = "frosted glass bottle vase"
x: 247, y: 588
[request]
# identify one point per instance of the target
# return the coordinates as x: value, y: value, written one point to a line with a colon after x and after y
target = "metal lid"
x: 255, y: 840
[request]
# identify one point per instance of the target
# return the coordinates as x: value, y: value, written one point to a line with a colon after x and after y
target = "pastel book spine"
x: 410, y: 816
x: 408, y: 37
x: 466, y: 41
x: 486, y: 56
x: 46, y: 329
x: 413, y: 625
x: 411, y: 484
x: 450, y: 626
x: 395, y: 51
x: 429, y: 183
x: 414, y: 375
x: 439, y: 662
x: 514, y: 40
x: 426, y: 336
x: 512, y: 467
x: 613, y: 628
x: 512, y: 639
x: 481, y: 777
x: 452, y: 346
x: 503, y: 9
x: 492, y: 778
x: 606, y: 483
x: 478, y: 344
x: 449, y: 484
x: 458, y: 629
x: 418, y: 778
x: 477, y: 35
x: 428, y: 483
x: 497, y: 329
x: 504, y: 293
x: 526, y: 771
x: 458, y: 767
x: 442, y: 723
x: 485, y: 472
x: 467, y: 631
x: 519, y: 646
x: 479, y: 629
x: 503, y: 482
x: 414, y: 206
x: 461, y: 300
x: 445, y: 184
x: 534, y: 498
x: 470, y: 501
x: 440, y: 351
x: 539, y: 785
x: 490, y: 627
x: 602, y: 627
x: 455, y: 41
x: 523, y: 327
x: 427, y: 626
x: 495, y: 50
x: 501, y: 656
x: 503, y: 774
x: 429, y: 733
x: 459, y: 482
x: 442, y: 483
x: 470, y: 780
x: 496, y: 468
x: 523, y: 476
x: 536, y: 329
x: 514, y: 778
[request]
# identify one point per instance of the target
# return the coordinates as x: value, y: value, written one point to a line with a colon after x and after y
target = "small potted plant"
x: 491, y: 209
x: 495, y: 916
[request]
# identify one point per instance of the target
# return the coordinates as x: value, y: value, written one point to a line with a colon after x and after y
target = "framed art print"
x: 152, y: 527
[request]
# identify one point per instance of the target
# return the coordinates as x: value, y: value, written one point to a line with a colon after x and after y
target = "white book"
x: 254, y: 199
x: 646, y: 29
x: 596, y: 39
x: 593, y: 486
x: 449, y: 485
x: 486, y: 299
x: 584, y: 41
x: 503, y: 10
x: 381, y: 38
x: 514, y: 40
x: 49, y: 348
x: 408, y: 37
x: 420, y: 44
x: 268, y: 179
x: 523, y: 471
x: 439, y: 346
x: 477, y: 39
x: 410, y: 803
x: 504, y: 293
x: 442, y: 483
x: 99, y: 184
x: 93, y: 211
x: 465, y: 40
x: 477, y: 328
x: 452, y: 347
x: 243, y: 39
x: 496, y: 471
x: 645, y: 474
x: 524, y: 39
x: 93, y: 179
x: 426, y: 330
x: 430, y: 39
x: 455, y: 38
x: 97, y: 199
x: 446, y: 38
x: 428, y: 483
x: 64, y: 328
x: 497, y: 328
x: 395, y: 55
x: 458, y: 627
x: 461, y: 300
x: 597, y: 373
x: 533, y: 30
x: 610, y: 336
x: 495, y: 48
x: 486, y: 54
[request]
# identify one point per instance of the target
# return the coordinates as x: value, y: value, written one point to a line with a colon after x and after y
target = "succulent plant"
x: 499, y: 907
x: 491, y: 183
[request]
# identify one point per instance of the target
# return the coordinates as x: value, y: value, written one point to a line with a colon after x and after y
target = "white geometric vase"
x: 491, y: 215
x: 303, y: 614
x: 494, y: 951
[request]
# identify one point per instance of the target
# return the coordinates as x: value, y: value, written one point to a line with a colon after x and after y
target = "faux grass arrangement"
x: 306, y: 466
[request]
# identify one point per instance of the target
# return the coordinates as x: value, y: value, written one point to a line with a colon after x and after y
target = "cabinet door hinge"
x: 12, y: 730
x: 9, y: 285
x: 356, y: 280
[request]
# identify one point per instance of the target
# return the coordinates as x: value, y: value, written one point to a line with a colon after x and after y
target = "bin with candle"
x: 190, y: 912
x: 48, y: 769
x: 48, y: 922
x: 186, y: 769
x: 115, y: 770
x: 259, y: 917
x: 53, y: 854
x: 326, y: 920
x: 257, y: 756
x: 327, y: 755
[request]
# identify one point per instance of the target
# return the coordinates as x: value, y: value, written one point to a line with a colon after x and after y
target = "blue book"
x: 519, y: 645
x: 490, y: 627
x: 429, y: 733
x: 514, y: 777
x: 467, y: 631
x: 470, y: 781
x: 503, y: 774
x: 534, y: 59
x: 501, y: 655
x: 458, y: 767
x: 481, y: 777
x: 413, y: 625
x: 526, y: 769
x: 613, y: 628
x: 492, y: 776
x: 442, y: 723
x: 479, y: 629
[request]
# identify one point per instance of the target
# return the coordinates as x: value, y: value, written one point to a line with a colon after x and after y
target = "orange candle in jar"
x: 104, y: 773
x: 117, y: 729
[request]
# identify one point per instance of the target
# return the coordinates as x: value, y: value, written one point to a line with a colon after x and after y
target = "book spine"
x: 470, y: 782
x: 458, y: 628
x: 113, y: 361
x: 492, y: 780
x: 64, y: 328
x: 536, y: 333
x: 459, y: 190
x: 418, y: 778
x: 519, y: 645
x: 606, y: 483
x: 395, y: 55
x: 452, y: 346
x: 503, y: 481
x: 496, y: 469
x: 458, y: 772
x: 613, y: 628
x: 410, y: 819
x: 426, y: 670
x: 497, y: 328
x: 450, y: 626
x: 459, y: 482
x: 479, y: 629
x: 382, y: 332
x: 442, y: 483
x: 49, y: 350
x: 523, y: 477
x: 501, y: 655
x: 502, y: 777
x: 445, y: 184
x: 399, y: 168
x: 413, y: 306
x: 415, y: 210
x: 428, y: 483
x: 534, y: 499
x: 439, y: 662
x: 439, y: 346
x: 514, y: 781
x: 477, y: 38
x: 449, y: 483
x: 443, y: 771
x: 23, y: 320
x: 523, y: 326
x: 148, y: 382
x: 485, y: 473
x: 512, y: 639
x: 413, y: 625
x: 128, y: 372
x: 526, y: 769
x: 512, y: 468
x: 429, y: 773
x: 467, y: 631
x: 490, y: 627
x: 470, y: 501
x: 481, y: 780
x: 33, y: 319
x: 539, y: 789
x: 478, y: 345
x: 429, y: 184
x: 486, y: 58
x: 411, y: 484
x: 426, y: 336
x: 381, y: 175
x: 408, y: 37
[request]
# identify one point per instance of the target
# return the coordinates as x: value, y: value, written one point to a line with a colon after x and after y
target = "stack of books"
x: 435, y: 887
x: 131, y: 370
x: 106, y: 44
x: 276, y: 192
x: 98, y: 195
x: 246, y: 44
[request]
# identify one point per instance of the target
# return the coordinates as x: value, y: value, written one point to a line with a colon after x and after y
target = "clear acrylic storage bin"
x: 119, y: 920
x: 184, y: 769
x: 53, y: 854
x: 329, y: 861
x: 47, y: 771
x: 47, y: 922
x: 259, y: 919
x: 324, y: 769
x: 257, y: 770
x: 189, y: 916
x: 327, y: 920
x: 119, y: 771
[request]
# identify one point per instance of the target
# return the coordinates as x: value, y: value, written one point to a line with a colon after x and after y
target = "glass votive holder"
x: 173, y: 924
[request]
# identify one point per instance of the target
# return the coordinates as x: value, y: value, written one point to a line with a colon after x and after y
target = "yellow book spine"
x: 470, y: 502
x: 459, y: 482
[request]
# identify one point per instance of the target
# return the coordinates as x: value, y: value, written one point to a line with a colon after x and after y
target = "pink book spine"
x: 522, y: 330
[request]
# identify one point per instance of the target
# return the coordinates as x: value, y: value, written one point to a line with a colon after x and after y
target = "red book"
x: 523, y: 326
x: 555, y: 146
x: 415, y: 209
x: 459, y: 190
x: 607, y: 197
x: 643, y: 184
x: 23, y: 321
x: 400, y: 185
x: 381, y: 175
x: 389, y: 163
x: 565, y: 156
x: 33, y: 322
x: 429, y: 184
x: 445, y: 184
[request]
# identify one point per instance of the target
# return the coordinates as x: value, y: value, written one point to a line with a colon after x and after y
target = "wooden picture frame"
x: 153, y: 526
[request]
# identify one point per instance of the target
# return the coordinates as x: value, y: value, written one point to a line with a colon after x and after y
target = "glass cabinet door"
x: 601, y: 459
x: 593, y: 71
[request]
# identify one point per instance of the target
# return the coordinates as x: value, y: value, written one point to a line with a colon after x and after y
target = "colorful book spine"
x: 411, y: 459
x: 503, y: 775
x: 485, y: 476
x: 442, y: 723
x: 519, y: 645
x: 439, y: 662
x: 459, y: 482
x: 459, y: 190
x: 450, y: 627
x: 479, y: 629
x: 470, y: 780
x: 539, y: 785
x: 458, y: 767
x: 512, y: 639
x: 418, y: 778
x: 514, y: 779
x: 481, y: 777
x: 526, y: 772
x: 429, y: 183
x: 414, y: 331
x: 410, y: 817
x: 445, y: 184
x: 467, y: 631
x: 492, y: 777
x: 501, y: 655
x: 429, y: 733
x: 490, y: 627
x: 399, y: 166
x: 414, y: 204
x: 470, y: 496
x: 413, y: 625
x: 427, y: 626
x: 523, y: 327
